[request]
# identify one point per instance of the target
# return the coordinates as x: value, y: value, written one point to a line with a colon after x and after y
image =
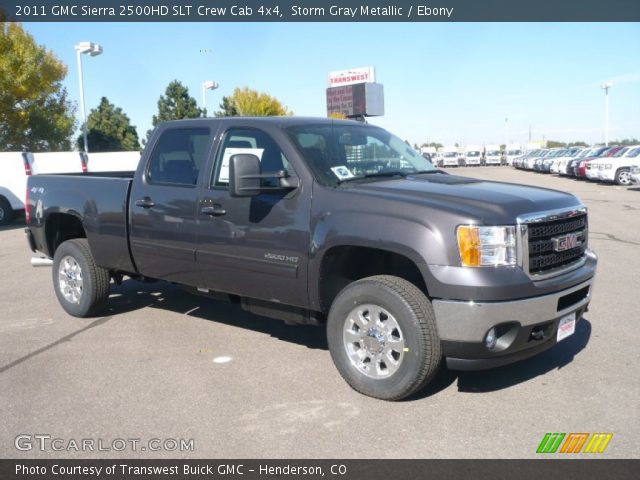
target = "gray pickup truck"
x: 338, y: 223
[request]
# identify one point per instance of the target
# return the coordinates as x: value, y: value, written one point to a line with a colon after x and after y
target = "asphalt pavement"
x: 165, y: 365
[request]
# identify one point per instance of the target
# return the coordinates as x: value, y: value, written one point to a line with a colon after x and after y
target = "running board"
x: 41, y: 262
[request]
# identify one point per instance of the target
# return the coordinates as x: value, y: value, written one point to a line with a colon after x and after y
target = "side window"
x: 179, y: 156
x: 256, y: 142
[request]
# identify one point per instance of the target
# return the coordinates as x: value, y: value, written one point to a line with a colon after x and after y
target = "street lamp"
x: 606, y: 86
x: 208, y: 85
x: 93, y: 50
x: 506, y: 132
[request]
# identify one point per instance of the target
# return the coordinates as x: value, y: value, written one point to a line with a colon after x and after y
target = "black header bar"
x: 321, y: 11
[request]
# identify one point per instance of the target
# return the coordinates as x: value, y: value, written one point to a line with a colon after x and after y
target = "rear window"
x: 179, y: 156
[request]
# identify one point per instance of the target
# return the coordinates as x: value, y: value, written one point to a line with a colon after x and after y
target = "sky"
x: 443, y: 82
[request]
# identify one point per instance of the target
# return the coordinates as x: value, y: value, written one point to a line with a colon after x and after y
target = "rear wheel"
x: 81, y: 286
x: 6, y: 212
x: 383, y: 338
x: 623, y: 176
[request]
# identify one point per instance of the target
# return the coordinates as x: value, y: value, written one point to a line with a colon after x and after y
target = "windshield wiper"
x: 394, y: 173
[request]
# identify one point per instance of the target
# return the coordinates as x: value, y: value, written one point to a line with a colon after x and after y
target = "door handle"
x: 145, y: 202
x: 215, y: 211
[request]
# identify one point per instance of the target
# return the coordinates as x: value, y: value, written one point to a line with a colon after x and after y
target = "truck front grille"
x: 544, y: 257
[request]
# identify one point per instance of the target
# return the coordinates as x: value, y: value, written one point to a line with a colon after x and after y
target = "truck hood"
x: 487, y: 202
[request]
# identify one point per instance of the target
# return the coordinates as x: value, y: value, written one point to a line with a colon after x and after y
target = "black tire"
x: 623, y: 177
x: 412, y: 311
x: 6, y: 212
x: 95, y: 280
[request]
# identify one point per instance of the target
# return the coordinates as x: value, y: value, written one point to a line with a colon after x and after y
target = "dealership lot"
x: 163, y: 364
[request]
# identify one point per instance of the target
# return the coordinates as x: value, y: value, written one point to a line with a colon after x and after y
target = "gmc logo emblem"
x: 567, y: 242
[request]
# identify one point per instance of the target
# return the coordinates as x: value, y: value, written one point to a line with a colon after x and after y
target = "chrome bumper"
x: 470, y: 321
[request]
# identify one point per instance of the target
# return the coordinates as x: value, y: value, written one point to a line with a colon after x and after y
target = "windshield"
x: 473, y: 154
x: 634, y: 153
x: 493, y: 153
x: 620, y: 152
x: 339, y: 152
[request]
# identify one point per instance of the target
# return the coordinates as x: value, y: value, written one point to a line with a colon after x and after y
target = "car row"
x: 613, y: 164
x: 474, y: 156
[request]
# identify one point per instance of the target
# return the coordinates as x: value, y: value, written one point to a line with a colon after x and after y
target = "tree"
x: 245, y: 102
x: 109, y: 130
x: 228, y: 108
x: 176, y: 104
x: 35, y: 113
x: 555, y: 144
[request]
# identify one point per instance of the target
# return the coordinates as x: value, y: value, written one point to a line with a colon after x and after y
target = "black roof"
x: 280, y: 121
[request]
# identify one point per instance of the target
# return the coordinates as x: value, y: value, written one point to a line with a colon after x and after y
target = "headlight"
x: 635, y: 169
x: 486, y: 246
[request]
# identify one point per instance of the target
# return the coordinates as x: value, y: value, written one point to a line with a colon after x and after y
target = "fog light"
x: 491, y: 339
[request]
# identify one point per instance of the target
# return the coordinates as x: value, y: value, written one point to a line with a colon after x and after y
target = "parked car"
x: 451, y: 158
x: 513, y: 151
x: 617, y: 168
x: 585, y: 163
x: 492, y: 155
x: 531, y: 161
x: 573, y: 164
x: 473, y: 156
x: 564, y: 158
x: 404, y: 264
x: 591, y: 173
x: 15, y: 167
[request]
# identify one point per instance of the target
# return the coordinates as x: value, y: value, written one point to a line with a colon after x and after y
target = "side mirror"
x: 244, y: 175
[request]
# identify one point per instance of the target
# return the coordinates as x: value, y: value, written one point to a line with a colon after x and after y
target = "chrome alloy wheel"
x: 624, y: 177
x: 373, y: 341
x: 70, y: 279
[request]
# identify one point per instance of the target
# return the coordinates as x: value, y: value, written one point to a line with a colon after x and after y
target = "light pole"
x: 208, y: 85
x: 606, y: 86
x: 506, y: 132
x: 93, y: 49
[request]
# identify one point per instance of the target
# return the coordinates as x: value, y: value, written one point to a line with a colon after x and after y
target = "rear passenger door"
x: 163, y: 205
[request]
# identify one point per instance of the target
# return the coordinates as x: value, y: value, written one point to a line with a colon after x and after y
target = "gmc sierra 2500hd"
x: 327, y: 222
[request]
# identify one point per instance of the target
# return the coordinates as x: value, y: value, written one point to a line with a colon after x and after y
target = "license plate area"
x: 566, y: 326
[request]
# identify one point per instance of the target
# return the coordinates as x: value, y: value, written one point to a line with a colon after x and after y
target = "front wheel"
x: 623, y: 177
x: 81, y: 286
x: 382, y: 336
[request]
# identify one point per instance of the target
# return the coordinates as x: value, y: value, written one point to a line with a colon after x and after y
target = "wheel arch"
x: 344, y: 264
x: 60, y: 227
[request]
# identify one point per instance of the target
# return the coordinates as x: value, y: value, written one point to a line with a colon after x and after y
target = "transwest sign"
x: 352, y: 76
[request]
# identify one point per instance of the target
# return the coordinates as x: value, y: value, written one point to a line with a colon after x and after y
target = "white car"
x: 492, y: 155
x: 15, y: 167
x: 617, y: 168
x: 473, y: 156
x: 450, y: 158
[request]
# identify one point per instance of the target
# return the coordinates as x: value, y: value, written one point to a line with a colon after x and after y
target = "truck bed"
x: 99, y: 201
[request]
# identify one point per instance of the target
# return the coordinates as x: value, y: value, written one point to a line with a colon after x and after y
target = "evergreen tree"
x: 109, y: 130
x: 176, y: 104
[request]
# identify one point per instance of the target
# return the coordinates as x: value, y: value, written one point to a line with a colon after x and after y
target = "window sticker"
x: 223, y: 176
x: 342, y: 172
